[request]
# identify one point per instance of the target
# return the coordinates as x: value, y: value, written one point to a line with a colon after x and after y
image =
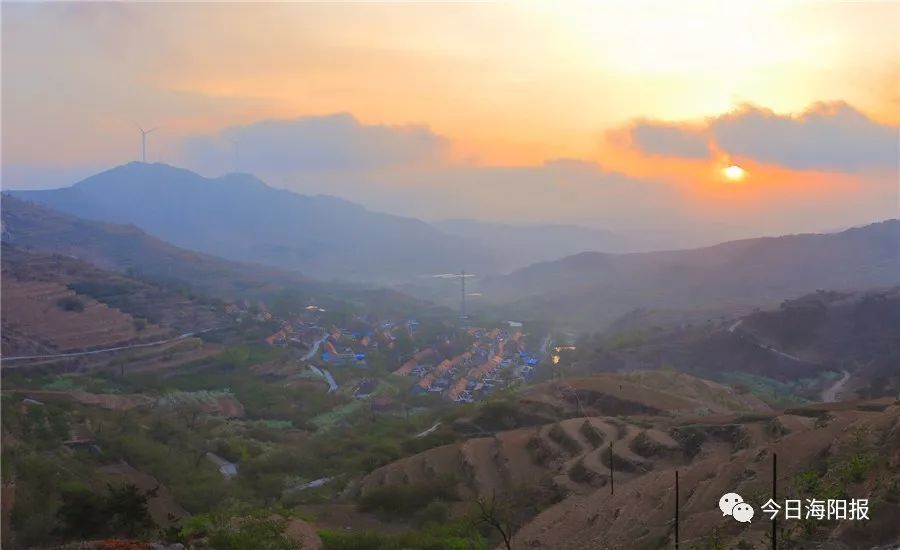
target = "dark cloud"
x: 828, y: 136
x: 332, y: 143
x: 833, y: 137
x: 670, y: 140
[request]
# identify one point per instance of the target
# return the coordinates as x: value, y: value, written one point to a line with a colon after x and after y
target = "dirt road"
x: 829, y: 395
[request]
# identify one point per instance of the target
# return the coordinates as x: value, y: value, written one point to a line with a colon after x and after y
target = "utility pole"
x: 462, y: 307
x: 612, y: 479
x: 774, y: 498
x: 676, y: 509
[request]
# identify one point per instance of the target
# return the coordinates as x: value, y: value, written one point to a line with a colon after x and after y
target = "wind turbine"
x: 144, y: 134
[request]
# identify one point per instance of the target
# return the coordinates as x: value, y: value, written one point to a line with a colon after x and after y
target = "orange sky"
x: 507, y: 84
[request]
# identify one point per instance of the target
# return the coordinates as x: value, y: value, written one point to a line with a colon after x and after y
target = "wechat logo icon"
x: 732, y: 504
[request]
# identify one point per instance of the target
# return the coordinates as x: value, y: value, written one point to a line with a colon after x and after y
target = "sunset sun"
x: 734, y: 173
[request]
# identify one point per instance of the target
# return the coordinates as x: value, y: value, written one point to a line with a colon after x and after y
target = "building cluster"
x: 474, y: 373
x: 335, y: 345
x: 245, y: 309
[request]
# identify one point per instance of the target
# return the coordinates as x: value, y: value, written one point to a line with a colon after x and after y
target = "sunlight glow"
x: 734, y: 173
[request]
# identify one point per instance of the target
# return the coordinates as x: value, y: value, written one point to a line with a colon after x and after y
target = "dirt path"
x: 107, y: 350
x: 829, y: 395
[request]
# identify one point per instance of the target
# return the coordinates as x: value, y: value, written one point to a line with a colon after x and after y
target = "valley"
x: 235, y: 400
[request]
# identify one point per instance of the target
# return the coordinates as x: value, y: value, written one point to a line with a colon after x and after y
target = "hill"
x: 529, y: 243
x: 850, y: 451
x: 590, y: 463
x: 126, y: 248
x: 240, y: 218
x: 54, y: 303
x: 803, y: 347
x: 554, y: 435
x: 592, y: 289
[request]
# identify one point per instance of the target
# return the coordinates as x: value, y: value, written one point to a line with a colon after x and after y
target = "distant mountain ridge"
x: 592, y: 289
x: 241, y: 218
x: 540, y: 242
x: 126, y: 248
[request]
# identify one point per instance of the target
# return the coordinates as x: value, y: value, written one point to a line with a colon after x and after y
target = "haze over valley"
x: 441, y: 276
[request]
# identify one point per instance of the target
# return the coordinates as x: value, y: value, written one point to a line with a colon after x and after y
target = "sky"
x: 616, y: 115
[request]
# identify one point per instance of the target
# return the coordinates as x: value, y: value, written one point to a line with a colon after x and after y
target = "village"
x: 497, y: 357
x: 463, y: 364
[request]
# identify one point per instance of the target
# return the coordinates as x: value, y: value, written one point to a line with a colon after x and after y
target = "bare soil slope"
x: 640, y: 514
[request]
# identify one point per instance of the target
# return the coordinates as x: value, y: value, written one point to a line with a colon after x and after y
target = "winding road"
x: 829, y: 395
x: 309, y: 355
x: 107, y: 350
x: 429, y: 430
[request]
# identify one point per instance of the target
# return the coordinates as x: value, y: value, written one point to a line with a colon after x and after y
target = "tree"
x: 82, y: 513
x: 497, y: 514
x: 121, y: 511
x: 126, y: 507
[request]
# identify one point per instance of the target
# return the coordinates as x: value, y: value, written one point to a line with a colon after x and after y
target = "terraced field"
x: 35, y: 322
x: 855, y: 449
x: 54, y: 303
x: 575, y: 434
x: 575, y: 454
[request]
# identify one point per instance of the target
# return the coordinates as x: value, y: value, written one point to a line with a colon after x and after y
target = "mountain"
x: 527, y: 244
x: 821, y: 346
x: 240, y: 218
x: 125, y: 248
x: 592, y: 289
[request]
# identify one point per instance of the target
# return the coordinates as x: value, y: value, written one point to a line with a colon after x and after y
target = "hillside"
x: 557, y: 435
x: 852, y: 450
x: 126, y: 248
x: 536, y: 243
x: 593, y: 289
x: 595, y: 458
x: 240, y: 218
x: 801, y: 348
x: 54, y: 303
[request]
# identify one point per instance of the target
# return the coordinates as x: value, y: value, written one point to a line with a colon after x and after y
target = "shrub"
x: 591, y: 433
x: 559, y: 435
x: 70, y: 303
x: 398, y: 500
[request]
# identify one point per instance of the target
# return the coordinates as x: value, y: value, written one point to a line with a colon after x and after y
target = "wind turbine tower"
x: 144, y: 134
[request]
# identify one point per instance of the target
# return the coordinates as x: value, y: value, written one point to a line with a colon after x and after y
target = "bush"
x: 70, y: 303
x: 591, y: 433
x: 435, y: 511
x: 121, y: 511
x: 451, y: 535
x: 399, y: 500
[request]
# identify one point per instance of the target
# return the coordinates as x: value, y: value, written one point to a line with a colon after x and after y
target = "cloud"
x: 670, y: 140
x: 316, y: 144
x: 828, y: 136
x: 406, y: 170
